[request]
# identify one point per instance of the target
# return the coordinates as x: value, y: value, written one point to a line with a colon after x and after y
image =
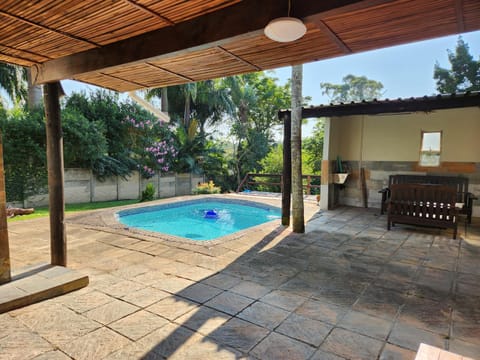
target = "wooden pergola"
x: 126, y: 45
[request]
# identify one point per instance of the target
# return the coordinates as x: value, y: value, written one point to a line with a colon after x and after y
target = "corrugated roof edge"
x: 413, y: 104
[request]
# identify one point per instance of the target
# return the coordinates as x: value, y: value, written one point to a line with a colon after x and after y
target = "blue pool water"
x: 200, y: 220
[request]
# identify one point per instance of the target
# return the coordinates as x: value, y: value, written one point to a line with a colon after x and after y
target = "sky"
x: 405, y: 71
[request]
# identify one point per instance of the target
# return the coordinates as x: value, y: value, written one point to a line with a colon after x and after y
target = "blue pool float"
x: 210, y: 214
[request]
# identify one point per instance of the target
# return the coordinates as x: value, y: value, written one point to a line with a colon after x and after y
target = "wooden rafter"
x: 27, y: 52
x: 243, y: 61
x: 459, y: 14
x: 43, y: 27
x: 151, y: 12
x: 137, y: 84
x: 332, y: 36
x: 183, y: 77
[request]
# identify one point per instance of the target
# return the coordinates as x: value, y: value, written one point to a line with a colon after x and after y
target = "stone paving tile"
x: 426, y: 314
x: 276, y: 346
x: 172, y: 284
x: 205, y: 348
x: 239, y: 334
x: 304, y: 329
x: 110, y: 312
x: 203, y: 320
x: 351, y: 345
x: 95, y: 345
x: 393, y: 352
x: 134, y: 351
x: 167, y: 340
x: 151, y: 277
x: 229, y: 302
x: 380, y: 302
x: 222, y: 281
x: 199, y: 292
x: 465, y: 348
x: 409, y: 337
x: 323, y: 355
x: 145, y: 297
x: 122, y: 288
x: 284, y: 299
x: 17, y: 341
x: 52, y: 355
x: 138, y: 324
x: 322, y: 311
x: 87, y: 301
x: 264, y: 315
x: 44, y: 320
x: 172, y: 307
x: 366, y: 324
x: 250, y: 289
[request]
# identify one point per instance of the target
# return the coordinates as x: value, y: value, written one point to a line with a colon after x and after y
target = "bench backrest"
x: 423, y: 200
x: 460, y: 184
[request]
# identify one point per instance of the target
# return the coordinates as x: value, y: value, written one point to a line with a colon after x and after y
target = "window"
x: 431, y: 147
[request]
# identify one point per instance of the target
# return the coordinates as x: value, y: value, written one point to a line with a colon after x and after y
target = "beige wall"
x: 396, y: 137
x: 390, y: 144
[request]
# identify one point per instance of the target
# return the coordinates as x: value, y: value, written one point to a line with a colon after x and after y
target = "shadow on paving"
x: 346, y: 289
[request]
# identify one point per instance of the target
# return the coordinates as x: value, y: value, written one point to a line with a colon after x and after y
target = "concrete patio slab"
x: 346, y: 289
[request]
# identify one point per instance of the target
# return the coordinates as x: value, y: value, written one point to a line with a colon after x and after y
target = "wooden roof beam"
x: 213, y: 29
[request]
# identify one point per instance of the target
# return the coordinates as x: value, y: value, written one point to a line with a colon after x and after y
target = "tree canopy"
x: 464, y: 72
x: 353, y: 88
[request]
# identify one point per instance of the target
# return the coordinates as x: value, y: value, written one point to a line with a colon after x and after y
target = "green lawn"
x: 43, y: 210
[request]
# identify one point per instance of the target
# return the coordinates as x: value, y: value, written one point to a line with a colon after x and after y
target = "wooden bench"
x: 464, y: 198
x: 422, y: 204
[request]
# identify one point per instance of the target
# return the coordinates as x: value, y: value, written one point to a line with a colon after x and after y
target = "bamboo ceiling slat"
x: 267, y: 54
x: 471, y: 14
x: 145, y: 74
x: 106, y: 81
x: 178, y: 11
x: 199, y: 65
x: 397, y: 22
x: 37, y: 31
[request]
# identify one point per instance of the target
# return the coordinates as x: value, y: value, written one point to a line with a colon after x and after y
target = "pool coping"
x: 107, y: 220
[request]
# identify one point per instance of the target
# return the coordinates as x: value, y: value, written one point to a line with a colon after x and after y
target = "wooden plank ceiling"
x: 132, y: 44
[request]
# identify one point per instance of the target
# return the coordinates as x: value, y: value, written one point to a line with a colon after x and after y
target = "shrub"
x: 206, y: 188
x: 149, y: 193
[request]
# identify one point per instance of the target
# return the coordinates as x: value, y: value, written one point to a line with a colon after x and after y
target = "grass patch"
x: 42, y: 211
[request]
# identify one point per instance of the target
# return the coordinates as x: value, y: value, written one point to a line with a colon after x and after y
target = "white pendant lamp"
x: 285, y: 29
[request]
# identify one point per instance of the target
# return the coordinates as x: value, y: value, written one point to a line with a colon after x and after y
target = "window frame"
x: 430, y: 152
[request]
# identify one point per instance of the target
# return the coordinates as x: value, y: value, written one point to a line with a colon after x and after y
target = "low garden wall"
x: 82, y: 186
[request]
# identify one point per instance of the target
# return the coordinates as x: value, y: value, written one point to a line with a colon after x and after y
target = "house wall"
x: 390, y: 143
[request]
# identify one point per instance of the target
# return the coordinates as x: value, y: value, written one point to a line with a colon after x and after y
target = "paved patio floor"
x: 347, y: 289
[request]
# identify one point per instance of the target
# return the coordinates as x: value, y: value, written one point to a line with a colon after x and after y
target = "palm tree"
x: 298, y: 222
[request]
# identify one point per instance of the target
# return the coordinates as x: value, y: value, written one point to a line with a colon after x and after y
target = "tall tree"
x: 298, y: 221
x: 12, y: 81
x: 353, y: 88
x: 464, y: 72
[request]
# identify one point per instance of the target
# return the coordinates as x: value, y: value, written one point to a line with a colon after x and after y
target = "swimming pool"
x: 200, y: 220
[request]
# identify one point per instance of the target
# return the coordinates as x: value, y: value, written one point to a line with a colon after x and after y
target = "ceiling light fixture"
x: 285, y: 29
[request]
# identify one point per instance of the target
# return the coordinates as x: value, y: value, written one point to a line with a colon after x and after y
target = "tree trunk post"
x: 5, y: 274
x: 287, y: 170
x: 58, y: 243
x: 298, y: 221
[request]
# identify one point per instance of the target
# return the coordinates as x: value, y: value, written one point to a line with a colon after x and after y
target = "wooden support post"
x: 58, y: 243
x: 287, y: 169
x: 5, y: 274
